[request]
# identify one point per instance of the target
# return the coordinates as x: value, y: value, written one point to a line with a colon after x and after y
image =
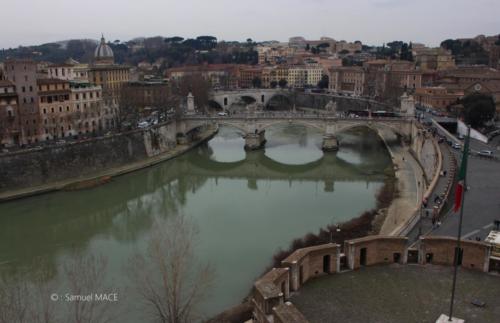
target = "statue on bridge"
x: 331, y: 107
x: 407, y: 105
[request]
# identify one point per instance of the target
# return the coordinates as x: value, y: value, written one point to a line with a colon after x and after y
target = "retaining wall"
x: 41, y: 166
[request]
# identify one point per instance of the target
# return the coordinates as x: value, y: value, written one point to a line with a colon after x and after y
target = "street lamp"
x: 331, y: 233
x: 423, y: 203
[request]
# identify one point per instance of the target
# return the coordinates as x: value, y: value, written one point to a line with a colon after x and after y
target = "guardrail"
x: 290, y: 115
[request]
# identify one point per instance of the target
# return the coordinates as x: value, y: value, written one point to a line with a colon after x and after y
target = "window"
x: 52, y: 110
x: 31, y: 88
x: 77, y: 96
x: 60, y: 109
x: 67, y: 108
x: 23, y: 89
x: 32, y: 100
x: 44, y: 111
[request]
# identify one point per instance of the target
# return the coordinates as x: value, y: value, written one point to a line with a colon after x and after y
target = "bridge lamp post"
x: 331, y: 233
x: 421, y: 207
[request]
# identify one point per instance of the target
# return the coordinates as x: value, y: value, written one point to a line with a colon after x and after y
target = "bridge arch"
x: 214, y: 105
x: 375, y: 126
x: 282, y: 100
x: 249, y: 99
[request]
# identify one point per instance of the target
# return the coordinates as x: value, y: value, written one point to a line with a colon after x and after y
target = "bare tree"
x: 165, y: 277
x: 24, y: 295
x: 197, y: 85
x: 28, y: 296
x: 86, y: 275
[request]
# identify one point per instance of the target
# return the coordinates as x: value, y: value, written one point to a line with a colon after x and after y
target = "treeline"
x: 468, y: 52
x: 174, y: 51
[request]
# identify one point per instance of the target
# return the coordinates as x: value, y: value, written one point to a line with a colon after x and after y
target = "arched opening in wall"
x: 326, y: 264
x: 396, y: 258
x: 362, y: 257
x: 279, y: 102
x: 248, y: 99
x: 213, y: 106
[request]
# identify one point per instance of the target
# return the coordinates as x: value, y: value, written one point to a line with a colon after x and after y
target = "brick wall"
x: 378, y: 250
x: 441, y: 251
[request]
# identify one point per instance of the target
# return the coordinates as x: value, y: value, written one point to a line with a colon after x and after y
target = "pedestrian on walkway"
x: 438, y: 224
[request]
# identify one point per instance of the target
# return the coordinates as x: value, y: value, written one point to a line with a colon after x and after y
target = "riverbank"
x: 416, y: 181
x: 105, y: 176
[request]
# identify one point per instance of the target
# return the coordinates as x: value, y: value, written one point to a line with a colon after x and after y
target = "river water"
x: 245, y: 206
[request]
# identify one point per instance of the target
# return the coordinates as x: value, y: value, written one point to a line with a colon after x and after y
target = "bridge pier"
x: 330, y: 143
x: 254, y: 141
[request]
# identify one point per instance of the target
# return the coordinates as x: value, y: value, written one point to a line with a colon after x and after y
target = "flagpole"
x: 459, y: 235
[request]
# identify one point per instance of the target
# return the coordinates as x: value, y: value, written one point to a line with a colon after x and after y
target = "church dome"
x: 103, y: 52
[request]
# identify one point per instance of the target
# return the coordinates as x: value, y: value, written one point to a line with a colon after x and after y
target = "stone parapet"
x: 272, y: 290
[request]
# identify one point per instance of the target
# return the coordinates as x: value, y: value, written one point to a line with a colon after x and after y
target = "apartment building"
x: 10, y: 127
x: 23, y: 74
x: 347, y: 80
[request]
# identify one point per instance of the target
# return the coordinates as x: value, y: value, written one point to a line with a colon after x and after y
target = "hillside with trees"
x: 174, y: 51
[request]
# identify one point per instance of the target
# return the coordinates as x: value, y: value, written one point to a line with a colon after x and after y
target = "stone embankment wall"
x: 271, y: 292
x: 319, y: 101
x: 35, y: 167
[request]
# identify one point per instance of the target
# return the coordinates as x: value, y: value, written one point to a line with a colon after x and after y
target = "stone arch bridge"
x: 253, y: 126
x: 225, y: 99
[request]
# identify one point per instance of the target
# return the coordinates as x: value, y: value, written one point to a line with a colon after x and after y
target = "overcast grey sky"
x: 30, y: 22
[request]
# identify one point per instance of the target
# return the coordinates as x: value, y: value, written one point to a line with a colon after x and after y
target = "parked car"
x: 456, y: 146
x: 222, y: 114
x: 485, y: 153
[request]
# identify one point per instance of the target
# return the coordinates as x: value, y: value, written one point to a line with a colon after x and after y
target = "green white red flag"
x: 461, y: 177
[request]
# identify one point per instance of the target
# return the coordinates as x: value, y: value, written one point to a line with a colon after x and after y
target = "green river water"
x: 246, y: 205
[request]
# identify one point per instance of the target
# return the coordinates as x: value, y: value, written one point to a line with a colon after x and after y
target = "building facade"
x: 347, y: 80
x: 436, y: 97
x: 23, y: 74
x: 10, y: 127
x: 108, y: 75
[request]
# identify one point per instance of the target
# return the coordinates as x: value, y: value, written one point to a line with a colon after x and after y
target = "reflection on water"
x: 304, y: 149
x: 246, y: 205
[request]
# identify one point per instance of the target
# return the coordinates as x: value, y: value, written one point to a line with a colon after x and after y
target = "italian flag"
x: 461, y: 177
